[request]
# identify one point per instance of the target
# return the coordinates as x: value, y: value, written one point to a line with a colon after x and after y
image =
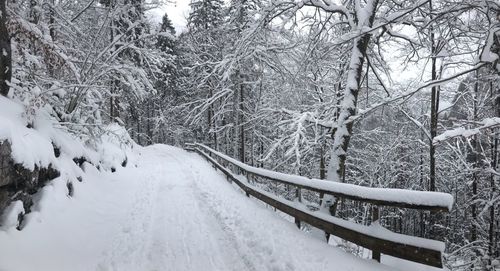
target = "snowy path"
x: 171, y: 212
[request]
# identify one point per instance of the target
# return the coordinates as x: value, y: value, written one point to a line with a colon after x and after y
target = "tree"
x: 205, y: 15
x: 158, y: 107
x: 166, y: 43
x: 238, y: 20
x: 5, y: 52
x: 203, y: 49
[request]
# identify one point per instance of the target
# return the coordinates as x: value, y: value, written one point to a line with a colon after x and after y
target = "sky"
x: 177, y: 10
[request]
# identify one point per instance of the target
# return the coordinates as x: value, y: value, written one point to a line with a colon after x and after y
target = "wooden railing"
x: 374, y: 237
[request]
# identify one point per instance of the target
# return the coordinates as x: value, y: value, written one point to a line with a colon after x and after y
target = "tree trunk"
x: 433, y: 122
x: 241, y: 120
x: 210, y: 113
x: 433, y: 125
x: 422, y: 183
x: 494, y: 162
x: 342, y: 133
x: 474, y: 208
x: 148, y: 123
x: 52, y: 33
x: 434, y: 108
x: 491, y: 230
x: 474, y: 159
x: 5, y: 52
x: 139, y: 132
x: 322, y: 171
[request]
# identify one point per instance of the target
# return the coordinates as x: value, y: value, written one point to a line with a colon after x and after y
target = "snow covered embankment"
x: 38, y: 151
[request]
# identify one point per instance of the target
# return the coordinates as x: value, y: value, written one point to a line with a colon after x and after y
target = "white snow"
x: 33, y: 147
x: 9, y: 216
x: 486, y: 123
x: 168, y: 211
x: 29, y: 147
x: 114, y: 143
x: 487, y: 55
x: 388, y: 194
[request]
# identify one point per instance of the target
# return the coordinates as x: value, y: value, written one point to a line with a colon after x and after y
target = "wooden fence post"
x: 249, y: 178
x: 299, y: 198
x: 211, y: 156
x: 375, y: 218
x: 245, y: 173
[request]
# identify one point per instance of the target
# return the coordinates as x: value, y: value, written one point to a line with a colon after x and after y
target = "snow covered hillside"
x: 167, y: 210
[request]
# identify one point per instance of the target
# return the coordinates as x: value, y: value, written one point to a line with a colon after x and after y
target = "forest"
x: 378, y: 93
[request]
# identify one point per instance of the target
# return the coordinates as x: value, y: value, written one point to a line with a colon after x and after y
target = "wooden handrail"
x: 401, y: 198
x: 375, y: 237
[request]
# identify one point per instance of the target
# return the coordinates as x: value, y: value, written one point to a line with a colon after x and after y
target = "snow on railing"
x: 373, y: 237
x: 403, y: 198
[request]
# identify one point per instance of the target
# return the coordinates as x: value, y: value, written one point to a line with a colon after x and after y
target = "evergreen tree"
x: 204, y: 45
x: 240, y: 13
x: 166, y: 43
x: 205, y: 14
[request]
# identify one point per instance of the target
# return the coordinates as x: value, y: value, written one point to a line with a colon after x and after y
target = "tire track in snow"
x: 251, y: 252
x: 169, y: 227
x: 127, y: 248
x: 227, y: 238
x: 256, y: 255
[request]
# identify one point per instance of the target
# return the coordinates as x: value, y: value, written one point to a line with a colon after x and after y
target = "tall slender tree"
x: 5, y: 52
x: 205, y: 50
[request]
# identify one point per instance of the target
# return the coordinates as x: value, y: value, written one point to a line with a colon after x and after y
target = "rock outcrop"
x: 19, y: 183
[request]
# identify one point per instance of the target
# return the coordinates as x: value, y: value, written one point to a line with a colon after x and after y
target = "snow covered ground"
x: 167, y: 210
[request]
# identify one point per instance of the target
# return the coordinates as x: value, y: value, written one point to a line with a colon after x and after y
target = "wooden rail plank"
x: 396, y: 249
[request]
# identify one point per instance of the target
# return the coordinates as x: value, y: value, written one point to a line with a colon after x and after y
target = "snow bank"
x: 34, y: 147
x: 60, y: 138
x: 29, y: 147
x: 9, y: 217
x: 45, y: 143
x: 423, y: 198
x: 114, y: 145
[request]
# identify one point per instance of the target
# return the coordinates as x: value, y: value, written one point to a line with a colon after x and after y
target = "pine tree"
x: 166, y: 43
x: 205, y: 14
x: 205, y: 45
x: 240, y: 12
x: 130, y: 25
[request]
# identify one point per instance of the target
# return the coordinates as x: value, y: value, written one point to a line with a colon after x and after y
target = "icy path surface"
x: 167, y: 210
